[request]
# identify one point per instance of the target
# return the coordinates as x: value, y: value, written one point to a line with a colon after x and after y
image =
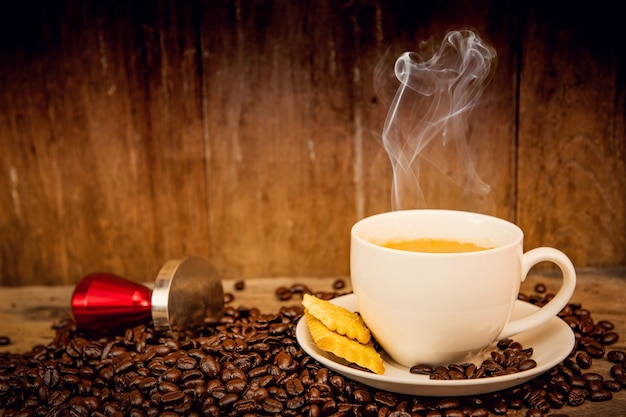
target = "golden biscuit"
x: 363, y: 355
x: 337, y: 318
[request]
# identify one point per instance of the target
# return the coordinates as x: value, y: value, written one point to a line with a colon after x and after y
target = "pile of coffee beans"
x: 510, y: 357
x: 251, y: 364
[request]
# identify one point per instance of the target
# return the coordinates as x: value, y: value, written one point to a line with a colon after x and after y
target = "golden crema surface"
x: 434, y: 245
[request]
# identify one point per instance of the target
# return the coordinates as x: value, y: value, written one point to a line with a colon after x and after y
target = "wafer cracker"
x: 363, y: 355
x: 337, y: 318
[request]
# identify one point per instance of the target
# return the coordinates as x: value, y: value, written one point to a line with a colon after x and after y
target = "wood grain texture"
x: 572, y: 165
x: 250, y: 133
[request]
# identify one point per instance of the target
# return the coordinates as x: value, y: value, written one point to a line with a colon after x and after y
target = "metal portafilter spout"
x: 187, y: 295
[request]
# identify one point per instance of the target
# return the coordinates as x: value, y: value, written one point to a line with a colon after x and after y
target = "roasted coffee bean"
x: 557, y: 399
x: 576, y: 397
x: 596, y: 351
x: 147, y: 384
x: 534, y: 412
x: 5, y: 340
x: 294, y: 387
x: 600, y: 395
x: 400, y: 414
x: 592, y: 376
x: 172, y: 375
x: 166, y: 387
x: 236, y: 385
x: 272, y: 405
x: 500, y: 408
x: 616, y: 356
x: 421, y: 369
x: 612, y: 385
x: 448, y: 403
x: 479, y: 412
x: 609, y: 338
x: 617, y: 370
x: 577, y: 382
x: 385, y: 398
x: 586, y: 326
x: 339, y: 284
x: 285, y: 361
x: 210, y: 366
x: 491, y: 366
x: 186, y: 363
x: 172, y: 397
x: 362, y: 396
x: 283, y: 293
x: 527, y: 364
x: 584, y: 360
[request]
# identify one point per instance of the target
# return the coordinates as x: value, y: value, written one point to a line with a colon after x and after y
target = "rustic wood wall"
x: 249, y: 131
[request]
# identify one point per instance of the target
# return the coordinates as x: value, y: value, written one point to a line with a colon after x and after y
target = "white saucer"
x: 552, y: 342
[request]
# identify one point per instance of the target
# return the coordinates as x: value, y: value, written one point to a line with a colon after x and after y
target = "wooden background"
x: 133, y: 132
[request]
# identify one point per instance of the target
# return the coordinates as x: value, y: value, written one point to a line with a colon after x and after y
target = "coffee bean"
x: 612, y: 385
x: 500, y: 408
x: 592, y: 376
x: 596, y: 351
x: 172, y: 375
x: 172, y: 397
x: 421, y: 369
x: 403, y: 414
x: 385, y: 398
x: 448, y: 403
x: 616, y: 356
x: 186, y: 363
x: 339, y: 284
x: 576, y: 397
x: 600, y: 395
x: 617, y: 370
x: 527, y: 364
x: 283, y: 293
x: 584, y: 360
x: 236, y: 385
x: 362, y: 396
x: 210, y: 366
x: 479, y: 412
x: 272, y: 405
x: 5, y: 340
x: 534, y: 412
x: 166, y: 387
x: 557, y: 399
x: 148, y: 384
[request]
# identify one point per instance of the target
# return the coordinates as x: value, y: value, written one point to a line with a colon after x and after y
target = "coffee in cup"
x: 448, y: 305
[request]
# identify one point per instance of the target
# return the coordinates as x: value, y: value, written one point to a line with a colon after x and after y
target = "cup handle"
x: 554, y: 306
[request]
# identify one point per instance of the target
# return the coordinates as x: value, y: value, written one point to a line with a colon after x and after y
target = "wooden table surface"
x: 28, y: 313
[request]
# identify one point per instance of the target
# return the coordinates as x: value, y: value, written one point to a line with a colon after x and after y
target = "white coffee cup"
x: 443, y: 308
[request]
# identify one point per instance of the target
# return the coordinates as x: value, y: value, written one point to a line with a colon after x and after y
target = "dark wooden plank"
x: 278, y: 112
x: 249, y: 132
x: 572, y: 171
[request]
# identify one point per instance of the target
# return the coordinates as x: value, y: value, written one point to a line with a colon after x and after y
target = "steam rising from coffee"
x: 427, y: 119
